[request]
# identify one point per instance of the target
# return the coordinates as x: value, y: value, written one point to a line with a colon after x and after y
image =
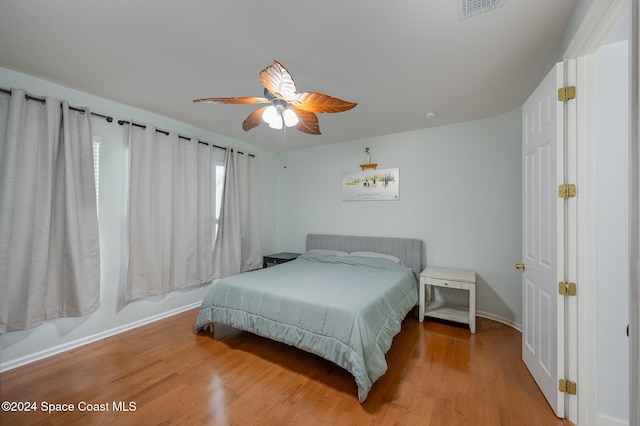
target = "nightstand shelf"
x: 278, y: 258
x: 449, y: 278
x: 447, y: 312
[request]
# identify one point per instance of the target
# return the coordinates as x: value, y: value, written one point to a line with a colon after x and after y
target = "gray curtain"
x: 238, y: 244
x: 49, y: 248
x: 170, y: 213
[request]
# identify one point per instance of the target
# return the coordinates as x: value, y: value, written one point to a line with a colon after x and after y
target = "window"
x: 96, y: 167
x: 218, y: 176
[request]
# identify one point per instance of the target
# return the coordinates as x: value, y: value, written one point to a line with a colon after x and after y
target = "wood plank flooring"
x: 163, y: 374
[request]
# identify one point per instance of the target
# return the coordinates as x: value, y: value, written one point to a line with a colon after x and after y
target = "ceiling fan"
x: 287, y: 107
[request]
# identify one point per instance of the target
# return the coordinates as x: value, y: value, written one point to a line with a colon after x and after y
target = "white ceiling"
x: 397, y: 59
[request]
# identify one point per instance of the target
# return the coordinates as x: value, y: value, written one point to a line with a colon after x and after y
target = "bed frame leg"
x: 211, y: 328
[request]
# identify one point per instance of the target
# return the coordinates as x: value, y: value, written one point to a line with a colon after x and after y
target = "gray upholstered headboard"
x: 409, y: 250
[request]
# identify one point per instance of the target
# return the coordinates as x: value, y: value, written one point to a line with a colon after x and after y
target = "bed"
x: 345, y: 308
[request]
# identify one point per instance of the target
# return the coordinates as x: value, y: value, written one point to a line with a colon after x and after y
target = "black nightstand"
x: 278, y: 258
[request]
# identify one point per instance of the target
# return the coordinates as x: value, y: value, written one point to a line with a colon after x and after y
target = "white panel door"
x: 543, y: 238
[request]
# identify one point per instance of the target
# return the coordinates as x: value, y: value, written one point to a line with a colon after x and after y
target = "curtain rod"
x: 142, y: 126
x: 120, y: 122
x: 43, y: 100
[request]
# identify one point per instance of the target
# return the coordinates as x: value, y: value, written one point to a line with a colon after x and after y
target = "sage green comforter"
x: 346, y: 309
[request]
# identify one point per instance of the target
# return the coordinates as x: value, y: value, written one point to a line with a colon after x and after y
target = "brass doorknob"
x: 521, y: 266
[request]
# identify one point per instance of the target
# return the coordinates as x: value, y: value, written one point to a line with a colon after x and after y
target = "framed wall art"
x: 371, y: 184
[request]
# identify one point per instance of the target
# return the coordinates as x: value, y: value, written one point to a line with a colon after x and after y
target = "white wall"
x: 612, y: 229
x: 17, y: 348
x: 459, y: 193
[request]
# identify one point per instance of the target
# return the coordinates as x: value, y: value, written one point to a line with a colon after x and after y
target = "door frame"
x: 581, y: 366
x: 634, y: 226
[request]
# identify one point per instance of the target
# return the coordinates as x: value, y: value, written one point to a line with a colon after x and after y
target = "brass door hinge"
x: 567, y: 190
x: 567, y: 289
x: 567, y: 386
x: 566, y: 93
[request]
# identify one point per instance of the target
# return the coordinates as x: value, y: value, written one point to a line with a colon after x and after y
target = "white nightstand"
x: 450, y: 278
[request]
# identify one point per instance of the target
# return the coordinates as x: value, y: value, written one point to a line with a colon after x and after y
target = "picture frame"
x: 371, y: 185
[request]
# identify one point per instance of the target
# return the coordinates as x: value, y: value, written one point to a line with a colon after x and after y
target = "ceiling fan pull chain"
x: 284, y: 146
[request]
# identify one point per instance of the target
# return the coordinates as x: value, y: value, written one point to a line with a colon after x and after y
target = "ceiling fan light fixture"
x: 276, y: 123
x: 280, y: 91
x: 270, y: 114
x: 290, y: 117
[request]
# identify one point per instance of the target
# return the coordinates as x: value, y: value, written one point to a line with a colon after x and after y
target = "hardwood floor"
x: 164, y: 374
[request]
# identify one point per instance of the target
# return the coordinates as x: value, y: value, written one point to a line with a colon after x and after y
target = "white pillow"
x: 329, y: 252
x: 374, y: 254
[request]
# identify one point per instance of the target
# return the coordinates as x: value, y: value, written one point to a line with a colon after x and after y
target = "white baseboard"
x: 500, y: 319
x: 28, y: 359
x: 610, y: 421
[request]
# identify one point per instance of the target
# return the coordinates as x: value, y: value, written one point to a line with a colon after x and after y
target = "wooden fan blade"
x: 277, y: 80
x: 308, y: 121
x: 239, y: 100
x: 319, y: 102
x: 254, y: 119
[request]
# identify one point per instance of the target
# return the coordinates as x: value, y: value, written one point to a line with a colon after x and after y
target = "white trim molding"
x: 634, y: 225
x: 601, y: 18
x: 28, y: 359
x: 500, y: 319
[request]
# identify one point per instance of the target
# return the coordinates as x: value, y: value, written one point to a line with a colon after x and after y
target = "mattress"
x: 346, y: 309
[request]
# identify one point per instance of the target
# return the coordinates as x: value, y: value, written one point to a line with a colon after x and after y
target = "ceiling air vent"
x: 469, y: 8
